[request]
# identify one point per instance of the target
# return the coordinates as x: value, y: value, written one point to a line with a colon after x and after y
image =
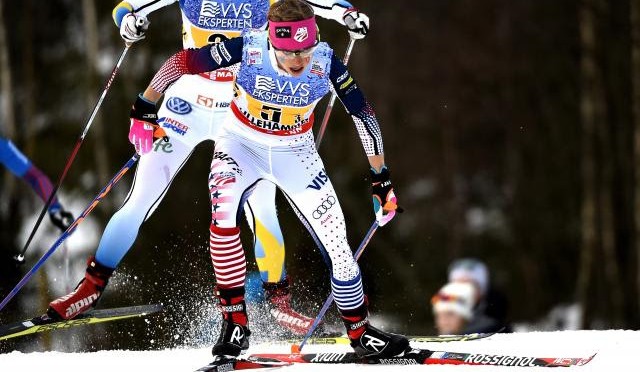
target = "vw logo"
x: 179, y: 106
x: 324, y: 207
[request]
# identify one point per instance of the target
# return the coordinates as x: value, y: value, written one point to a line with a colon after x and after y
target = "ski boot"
x: 85, y: 295
x: 278, y: 299
x: 368, y: 341
x: 234, y: 335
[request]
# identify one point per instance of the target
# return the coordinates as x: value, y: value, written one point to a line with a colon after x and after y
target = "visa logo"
x: 318, y: 181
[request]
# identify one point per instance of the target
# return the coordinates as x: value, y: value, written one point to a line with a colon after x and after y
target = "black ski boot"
x: 368, y: 341
x: 234, y: 335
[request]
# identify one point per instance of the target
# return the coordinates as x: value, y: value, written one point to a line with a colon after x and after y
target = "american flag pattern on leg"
x: 227, y: 255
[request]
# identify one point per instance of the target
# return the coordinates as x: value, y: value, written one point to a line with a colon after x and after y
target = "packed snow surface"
x: 616, y: 351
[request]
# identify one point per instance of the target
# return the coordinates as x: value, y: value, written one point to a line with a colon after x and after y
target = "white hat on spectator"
x: 455, y: 297
x: 470, y: 269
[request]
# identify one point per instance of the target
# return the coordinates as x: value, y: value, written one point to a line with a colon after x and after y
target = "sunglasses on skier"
x: 302, y: 53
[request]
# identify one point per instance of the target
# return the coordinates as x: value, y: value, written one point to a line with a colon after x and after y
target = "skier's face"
x: 293, y: 63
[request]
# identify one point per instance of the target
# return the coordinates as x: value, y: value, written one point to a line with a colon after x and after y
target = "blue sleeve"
x: 356, y: 104
x: 13, y: 159
x: 345, y: 86
x: 215, y: 56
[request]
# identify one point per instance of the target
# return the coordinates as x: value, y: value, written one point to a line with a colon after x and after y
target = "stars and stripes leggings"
x: 245, y: 159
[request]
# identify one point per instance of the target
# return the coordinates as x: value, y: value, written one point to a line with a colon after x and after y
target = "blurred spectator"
x: 453, y: 308
x: 490, y: 306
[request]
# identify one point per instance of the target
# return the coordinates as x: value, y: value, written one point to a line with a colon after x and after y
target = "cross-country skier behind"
x: 18, y: 164
x: 284, y: 72
x: 193, y: 111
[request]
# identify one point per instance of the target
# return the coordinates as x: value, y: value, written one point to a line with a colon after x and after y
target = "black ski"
x: 44, y: 323
x: 343, y: 340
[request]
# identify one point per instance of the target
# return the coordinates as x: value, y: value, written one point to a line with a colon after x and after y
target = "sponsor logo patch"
x: 205, y: 101
x: 342, y: 77
x: 282, y: 92
x: 316, y: 68
x: 216, y: 55
x: 265, y: 83
x: 283, y: 32
x: 218, y: 75
x: 225, y: 52
x: 163, y: 147
x: 500, y: 360
x: 225, y: 15
x: 324, y: 207
x: 328, y: 357
x: 301, y: 35
x: 178, y: 106
x: 318, y: 181
x: 254, y: 56
x: 174, y: 125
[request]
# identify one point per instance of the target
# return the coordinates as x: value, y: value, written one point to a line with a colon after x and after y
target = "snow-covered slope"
x: 617, y: 351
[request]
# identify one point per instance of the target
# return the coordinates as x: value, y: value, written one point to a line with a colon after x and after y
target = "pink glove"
x: 144, y: 127
x: 141, y: 136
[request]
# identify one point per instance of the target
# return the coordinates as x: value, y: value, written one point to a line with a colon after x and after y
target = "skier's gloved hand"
x: 357, y: 23
x: 133, y: 27
x: 385, y: 203
x: 61, y: 218
x: 144, y: 126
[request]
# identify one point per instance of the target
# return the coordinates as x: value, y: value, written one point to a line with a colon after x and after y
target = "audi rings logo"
x: 179, y: 106
x: 324, y: 207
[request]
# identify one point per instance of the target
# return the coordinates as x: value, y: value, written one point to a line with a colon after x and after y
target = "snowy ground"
x: 616, y: 352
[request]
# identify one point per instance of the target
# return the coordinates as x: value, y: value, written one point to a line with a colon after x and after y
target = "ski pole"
x: 332, y: 100
x: 69, y: 230
x: 20, y: 257
x: 365, y: 241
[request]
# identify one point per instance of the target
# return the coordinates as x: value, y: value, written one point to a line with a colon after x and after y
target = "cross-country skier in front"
x: 193, y: 112
x: 22, y: 167
x: 284, y: 71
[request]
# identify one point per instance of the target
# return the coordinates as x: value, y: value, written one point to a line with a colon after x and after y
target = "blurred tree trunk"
x: 590, y: 111
x: 600, y: 242
x: 91, y: 43
x: 608, y: 238
x: 452, y: 193
x: 29, y: 79
x: 10, y: 204
x: 635, y: 76
x: 6, y: 100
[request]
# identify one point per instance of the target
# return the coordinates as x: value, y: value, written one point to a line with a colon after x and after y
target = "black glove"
x: 385, y: 203
x: 144, y: 110
x: 61, y: 218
